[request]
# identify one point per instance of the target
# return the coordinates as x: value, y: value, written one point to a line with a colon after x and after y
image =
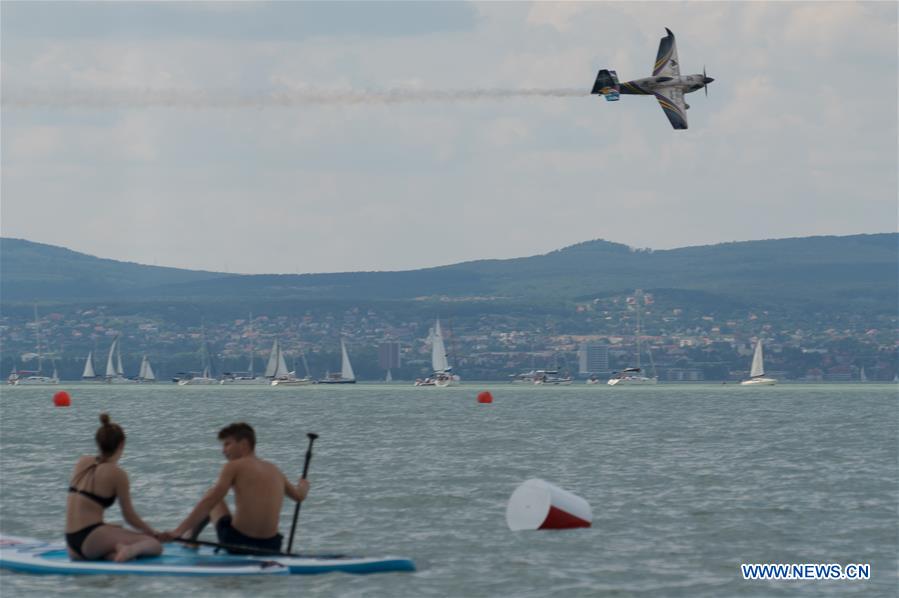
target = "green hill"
x: 857, y: 272
x: 38, y: 272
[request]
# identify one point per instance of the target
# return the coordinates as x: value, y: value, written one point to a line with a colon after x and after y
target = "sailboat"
x: 551, y: 377
x: 248, y: 377
x: 346, y: 375
x: 862, y: 377
x: 89, y: 374
x: 389, y: 377
x: 443, y: 373
x: 115, y: 373
x: 203, y: 378
x: 276, y: 371
x: 633, y: 376
x: 34, y: 377
x: 146, y: 373
x: 757, y: 374
x: 541, y: 377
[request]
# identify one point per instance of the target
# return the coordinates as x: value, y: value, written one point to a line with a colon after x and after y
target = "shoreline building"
x: 389, y: 355
x: 593, y: 358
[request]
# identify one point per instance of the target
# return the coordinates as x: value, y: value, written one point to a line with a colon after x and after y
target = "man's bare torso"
x: 258, y: 495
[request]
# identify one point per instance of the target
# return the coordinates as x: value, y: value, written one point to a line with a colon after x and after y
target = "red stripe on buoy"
x: 559, y: 519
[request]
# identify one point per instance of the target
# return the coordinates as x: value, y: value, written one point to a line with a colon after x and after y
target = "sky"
x: 313, y: 137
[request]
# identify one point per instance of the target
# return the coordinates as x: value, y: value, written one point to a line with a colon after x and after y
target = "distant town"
x: 484, y: 341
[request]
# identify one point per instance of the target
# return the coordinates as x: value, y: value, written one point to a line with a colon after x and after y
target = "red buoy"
x: 485, y: 397
x: 62, y: 399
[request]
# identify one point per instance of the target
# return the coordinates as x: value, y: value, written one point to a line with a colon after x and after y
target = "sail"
x: 272, y: 364
x: 862, y: 376
x: 282, y: 370
x: 110, y: 364
x: 89, y: 367
x: 389, y: 377
x: 758, y: 362
x: 438, y: 350
x: 119, y: 369
x: 346, y: 369
x: 146, y: 372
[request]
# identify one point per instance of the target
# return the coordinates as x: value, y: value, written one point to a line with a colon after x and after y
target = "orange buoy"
x: 62, y: 399
x: 485, y: 397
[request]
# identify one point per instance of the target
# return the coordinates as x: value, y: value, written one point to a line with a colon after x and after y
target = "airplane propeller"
x: 706, y: 80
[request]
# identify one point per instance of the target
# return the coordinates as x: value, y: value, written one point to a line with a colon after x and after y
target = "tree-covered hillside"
x: 853, y: 273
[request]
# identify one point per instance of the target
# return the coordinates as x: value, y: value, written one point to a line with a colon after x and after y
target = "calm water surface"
x: 686, y: 483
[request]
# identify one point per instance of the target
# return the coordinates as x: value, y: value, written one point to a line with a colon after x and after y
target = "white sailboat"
x: 634, y: 376
x: 204, y: 378
x: 862, y: 377
x: 552, y: 377
x: 89, y: 374
x: 248, y: 377
x: 538, y: 377
x: 389, y: 377
x: 346, y: 375
x: 276, y: 371
x: 34, y: 377
x: 443, y: 372
x: 757, y: 374
x: 146, y: 371
x: 115, y: 373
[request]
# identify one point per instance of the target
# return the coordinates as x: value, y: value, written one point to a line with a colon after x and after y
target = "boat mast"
x: 206, y: 354
x: 252, y: 348
x: 305, y: 363
x: 37, y: 333
x: 638, y: 295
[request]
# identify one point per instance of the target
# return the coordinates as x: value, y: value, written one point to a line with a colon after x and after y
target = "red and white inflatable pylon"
x: 537, y: 504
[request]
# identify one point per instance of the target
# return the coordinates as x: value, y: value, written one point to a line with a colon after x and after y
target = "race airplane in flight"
x: 666, y: 84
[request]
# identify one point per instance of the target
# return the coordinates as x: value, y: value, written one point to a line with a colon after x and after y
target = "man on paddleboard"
x: 259, y: 490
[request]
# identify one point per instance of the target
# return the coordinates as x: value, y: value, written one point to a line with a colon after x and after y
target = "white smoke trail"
x: 200, y: 99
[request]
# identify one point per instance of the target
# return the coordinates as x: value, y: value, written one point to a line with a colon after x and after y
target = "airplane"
x: 666, y: 84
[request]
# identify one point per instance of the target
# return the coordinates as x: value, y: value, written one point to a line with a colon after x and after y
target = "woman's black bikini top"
x: 103, y: 501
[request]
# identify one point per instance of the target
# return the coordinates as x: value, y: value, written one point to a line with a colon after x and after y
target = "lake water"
x: 686, y: 483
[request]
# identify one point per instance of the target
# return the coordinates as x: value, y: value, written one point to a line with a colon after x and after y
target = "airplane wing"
x: 672, y: 102
x: 667, y: 64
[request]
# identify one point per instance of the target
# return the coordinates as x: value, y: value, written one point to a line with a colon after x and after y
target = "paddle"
x: 296, y: 509
x: 256, y: 551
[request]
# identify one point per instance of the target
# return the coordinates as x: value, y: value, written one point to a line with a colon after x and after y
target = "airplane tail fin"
x: 607, y: 85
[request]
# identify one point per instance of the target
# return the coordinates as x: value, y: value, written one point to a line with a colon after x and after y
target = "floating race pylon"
x: 537, y: 504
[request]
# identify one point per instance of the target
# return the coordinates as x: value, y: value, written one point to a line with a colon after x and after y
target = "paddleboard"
x: 35, y: 556
x: 314, y: 564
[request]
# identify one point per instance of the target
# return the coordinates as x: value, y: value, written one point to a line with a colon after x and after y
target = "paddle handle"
x: 296, y: 508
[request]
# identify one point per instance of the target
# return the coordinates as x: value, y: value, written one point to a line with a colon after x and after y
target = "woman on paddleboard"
x: 96, y: 484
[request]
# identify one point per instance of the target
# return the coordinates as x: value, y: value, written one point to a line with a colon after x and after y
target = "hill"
x: 857, y: 272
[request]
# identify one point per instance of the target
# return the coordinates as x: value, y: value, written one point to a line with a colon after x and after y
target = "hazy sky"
x: 302, y: 137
